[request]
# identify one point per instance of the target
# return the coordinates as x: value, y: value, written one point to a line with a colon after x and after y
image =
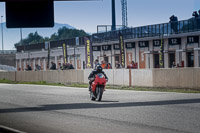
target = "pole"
x: 2, y: 30
x: 21, y: 35
x: 113, y: 16
x: 74, y: 57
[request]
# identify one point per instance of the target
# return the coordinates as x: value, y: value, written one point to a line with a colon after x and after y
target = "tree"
x: 63, y: 33
x: 31, y: 39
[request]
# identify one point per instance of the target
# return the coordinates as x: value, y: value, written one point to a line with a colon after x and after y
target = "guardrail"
x: 7, y: 68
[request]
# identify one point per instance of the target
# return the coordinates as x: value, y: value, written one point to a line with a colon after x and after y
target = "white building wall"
x: 39, y: 62
x: 166, y: 56
x: 137, y: 54
x: 151, y: 48
x: 196, y: 59
x: 34, y: 64
x: 44, y: 62
x: 20, y: 64
x: 24, y: 64
x: 179, y: 55
x: 184, y: 47
x: 134, y: 54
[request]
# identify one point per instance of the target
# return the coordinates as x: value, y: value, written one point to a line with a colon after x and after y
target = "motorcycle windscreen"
x: 100, y: 75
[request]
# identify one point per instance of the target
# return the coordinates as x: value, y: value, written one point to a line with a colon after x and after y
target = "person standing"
x: 60, y: 67
x: 173, y: 65
x: 53, y: 66
x: 103, y: 64
x: 198, y: 20
x: 117, y: 65
x: 28, y: 68
x: 174, y: 23
x: 108, y: 66
x: 96, y: 62
x: 37, y: 67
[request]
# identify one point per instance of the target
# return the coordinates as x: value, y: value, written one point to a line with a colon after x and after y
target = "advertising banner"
x: 65, y: 60
x: 122, y: 53
x: 161, y: 55
x: 88, y: 53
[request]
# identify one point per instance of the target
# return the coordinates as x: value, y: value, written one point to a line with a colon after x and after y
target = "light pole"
x: 21, y: 36
x: 75, y: 57
x: 2, y: 31
x: 113, y: 15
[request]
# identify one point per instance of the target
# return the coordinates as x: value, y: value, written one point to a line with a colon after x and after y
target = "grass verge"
x: 34, y: 83
x: 178, y: 90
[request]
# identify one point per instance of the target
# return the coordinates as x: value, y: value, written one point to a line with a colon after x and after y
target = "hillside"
x: 12, y: 36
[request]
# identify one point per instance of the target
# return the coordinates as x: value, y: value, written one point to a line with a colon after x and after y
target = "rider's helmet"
x: 99, y: 69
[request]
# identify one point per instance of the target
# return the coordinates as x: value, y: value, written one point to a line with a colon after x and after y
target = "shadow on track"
x: 105, y: 101
x: 94, y: 105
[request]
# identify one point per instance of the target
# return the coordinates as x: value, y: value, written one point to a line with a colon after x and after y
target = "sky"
x: 88, y: 14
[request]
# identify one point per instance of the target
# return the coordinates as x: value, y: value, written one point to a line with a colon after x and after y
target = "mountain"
x: 12, y: 35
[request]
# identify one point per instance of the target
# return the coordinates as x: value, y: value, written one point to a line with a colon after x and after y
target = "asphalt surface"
x: 48, y: 109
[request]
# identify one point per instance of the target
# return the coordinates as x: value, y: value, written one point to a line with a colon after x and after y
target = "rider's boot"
x: 89, y: 88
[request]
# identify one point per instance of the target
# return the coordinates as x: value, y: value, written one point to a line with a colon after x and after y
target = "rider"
x: 93, y: 74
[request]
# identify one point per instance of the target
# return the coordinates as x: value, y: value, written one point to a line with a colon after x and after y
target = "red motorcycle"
x: 98, y: 87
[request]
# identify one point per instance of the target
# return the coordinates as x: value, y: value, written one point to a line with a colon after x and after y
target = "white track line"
x: 10, y: 130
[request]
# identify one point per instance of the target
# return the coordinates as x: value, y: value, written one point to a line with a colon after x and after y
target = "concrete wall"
x: 115, y: 76
x: 29, y: 76
x: 7, y: 75
x: 181, y: 78
x: 178, y: 78
x: 142, y: 77
x: 70, y: 76
x: 8, y: 59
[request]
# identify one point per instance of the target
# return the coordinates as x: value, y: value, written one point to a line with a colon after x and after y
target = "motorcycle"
x: 98, y: 87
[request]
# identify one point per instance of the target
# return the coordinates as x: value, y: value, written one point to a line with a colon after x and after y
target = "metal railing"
x: 7, y: 51
x: 164, y: 29
x: 7, y: 68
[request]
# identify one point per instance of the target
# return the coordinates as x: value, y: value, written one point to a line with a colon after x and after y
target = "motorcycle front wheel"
x: 100, y: 93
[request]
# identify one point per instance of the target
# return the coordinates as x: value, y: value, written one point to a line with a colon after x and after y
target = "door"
x: 156, y: 61
x: 117, y: 59
x: 72, y: 62
x: 190, y: 59
x: 42, y: 64
x: 106, y: 59
x: 22, y: 65
x: 58, y: 62
x: 129, y: 58
x: 78, y: 64
x: 142, y: 60
x: 171, y: 59
x: 18, y: 66
x: 32, y: 64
